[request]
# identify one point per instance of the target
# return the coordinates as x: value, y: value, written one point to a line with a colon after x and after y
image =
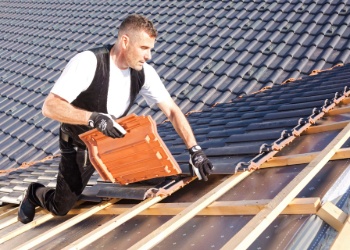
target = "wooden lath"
x: 25, y: 227
x: 326, y: 127
x: 246, y: 236
x: 218, y: 208
x: 38, y: 221
x: 297, y: 206
x: 339, y: 111
x: 63, y: 226
x: 255, y: 227
x: 342, y: 242
x: 187, y: 212
x: 332, y: 215
x: 321, y: 157
x: 6, y: 208
x: 112, y: 224
x: 283, y: 161
x: 11, y: 220
x: 346, y: 100
x: 203, y: 206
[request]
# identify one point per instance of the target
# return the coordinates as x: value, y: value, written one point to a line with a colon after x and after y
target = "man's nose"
x: 148, y: 55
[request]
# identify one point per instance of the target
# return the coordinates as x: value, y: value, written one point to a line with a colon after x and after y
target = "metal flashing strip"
x: 339, y: 189
x: 338, y: 194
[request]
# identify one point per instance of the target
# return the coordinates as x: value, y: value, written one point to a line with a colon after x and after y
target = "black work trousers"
x: 74, y: 173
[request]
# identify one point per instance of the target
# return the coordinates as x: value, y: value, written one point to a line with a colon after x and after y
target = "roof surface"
x: 308, y: 101
x: 239, y: 134
x: 214, y: 57
x: 207, y: 52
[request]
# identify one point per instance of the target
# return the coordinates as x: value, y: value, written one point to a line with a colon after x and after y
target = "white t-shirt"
x: 79, y: 73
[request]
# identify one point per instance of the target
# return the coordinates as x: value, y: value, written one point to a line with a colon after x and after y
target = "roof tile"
x: 228, y: 48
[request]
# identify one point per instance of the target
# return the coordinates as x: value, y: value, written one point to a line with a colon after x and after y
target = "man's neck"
x: 117, y: 58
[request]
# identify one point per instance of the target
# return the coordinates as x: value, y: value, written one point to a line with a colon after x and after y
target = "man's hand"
x: 199, y: 163
x: 106, y: 124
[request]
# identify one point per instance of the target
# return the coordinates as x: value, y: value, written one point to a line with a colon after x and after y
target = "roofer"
x: 95, y: 88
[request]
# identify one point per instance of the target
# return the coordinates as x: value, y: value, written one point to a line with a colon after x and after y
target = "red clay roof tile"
x: 139, y: 156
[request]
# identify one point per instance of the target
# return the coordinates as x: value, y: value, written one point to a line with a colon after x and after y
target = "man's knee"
x: 62, y: 208
x: 60, y: 212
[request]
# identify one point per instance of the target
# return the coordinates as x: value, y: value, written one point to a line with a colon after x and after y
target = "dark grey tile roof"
x: 234, y: 135
x: 15, y: 182
x: 249, y: 128
x: 207, y: 52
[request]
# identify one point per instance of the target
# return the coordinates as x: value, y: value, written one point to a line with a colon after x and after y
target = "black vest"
x: 94, y: 99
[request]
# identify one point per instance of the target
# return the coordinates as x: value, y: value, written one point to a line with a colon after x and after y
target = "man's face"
x: 138, y: 49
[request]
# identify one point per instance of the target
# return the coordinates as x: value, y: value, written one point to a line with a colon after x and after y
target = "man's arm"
x: 179, y: 121
x: 60, y: 110
x: 199, y: 164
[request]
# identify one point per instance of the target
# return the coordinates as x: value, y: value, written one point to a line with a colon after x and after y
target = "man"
x: 96, y: 87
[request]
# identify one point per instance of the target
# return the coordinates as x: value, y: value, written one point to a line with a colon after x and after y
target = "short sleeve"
x: 76, y: 76
x: 153, y: 90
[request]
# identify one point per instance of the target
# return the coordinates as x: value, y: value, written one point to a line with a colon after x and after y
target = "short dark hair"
x: 138, y: 22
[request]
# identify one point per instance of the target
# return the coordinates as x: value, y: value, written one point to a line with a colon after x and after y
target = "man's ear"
x: 125, y: 40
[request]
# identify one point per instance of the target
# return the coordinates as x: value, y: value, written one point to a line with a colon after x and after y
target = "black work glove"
x: 199, y: 163
x: 106, y: 124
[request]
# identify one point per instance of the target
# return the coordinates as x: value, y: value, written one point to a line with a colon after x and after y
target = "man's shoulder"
x: 101, y: 50
x: 86, y: 54
x: 84, y: 58
x: 148, y: 69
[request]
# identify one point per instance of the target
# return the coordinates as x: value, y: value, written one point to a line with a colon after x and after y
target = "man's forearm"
x: 60, y: 110
x: 183, y: 128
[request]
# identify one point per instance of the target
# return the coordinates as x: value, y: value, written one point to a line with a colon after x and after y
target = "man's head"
x: 138, y: 23
x: 136, y: 38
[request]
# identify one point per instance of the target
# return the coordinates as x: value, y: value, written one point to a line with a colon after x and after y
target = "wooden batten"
x: 280, y: 161
x: 339, y: 111
x: 217, y: 208
x: 346, y: 100
x: 112, y: 224
x: 6, y: 208
x: 326, y: 127
x: 63, y: 226
x: 251, y: 231
x: 342, y: 241
x: 332, y: 215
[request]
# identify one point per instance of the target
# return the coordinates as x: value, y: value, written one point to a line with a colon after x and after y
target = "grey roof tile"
x: 219, y: 49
